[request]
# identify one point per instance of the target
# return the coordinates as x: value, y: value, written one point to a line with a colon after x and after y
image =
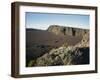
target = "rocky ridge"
x: 64, y: 30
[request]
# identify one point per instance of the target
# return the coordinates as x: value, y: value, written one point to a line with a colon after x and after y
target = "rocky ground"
x: 65, y: 54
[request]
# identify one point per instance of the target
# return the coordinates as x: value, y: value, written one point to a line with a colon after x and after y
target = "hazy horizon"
x: 44, y: 20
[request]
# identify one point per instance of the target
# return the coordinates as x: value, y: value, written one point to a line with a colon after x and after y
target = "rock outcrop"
x: 62, y: 30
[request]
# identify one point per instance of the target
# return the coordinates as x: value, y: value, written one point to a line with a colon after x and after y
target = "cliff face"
x: 62, y: 30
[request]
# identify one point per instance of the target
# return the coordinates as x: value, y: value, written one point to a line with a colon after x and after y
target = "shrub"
x: 31, y: 63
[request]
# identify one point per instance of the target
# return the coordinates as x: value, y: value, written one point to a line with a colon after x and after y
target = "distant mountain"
x: 40, y: 42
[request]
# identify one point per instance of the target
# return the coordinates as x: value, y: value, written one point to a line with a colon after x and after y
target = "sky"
x: 44, y: 20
